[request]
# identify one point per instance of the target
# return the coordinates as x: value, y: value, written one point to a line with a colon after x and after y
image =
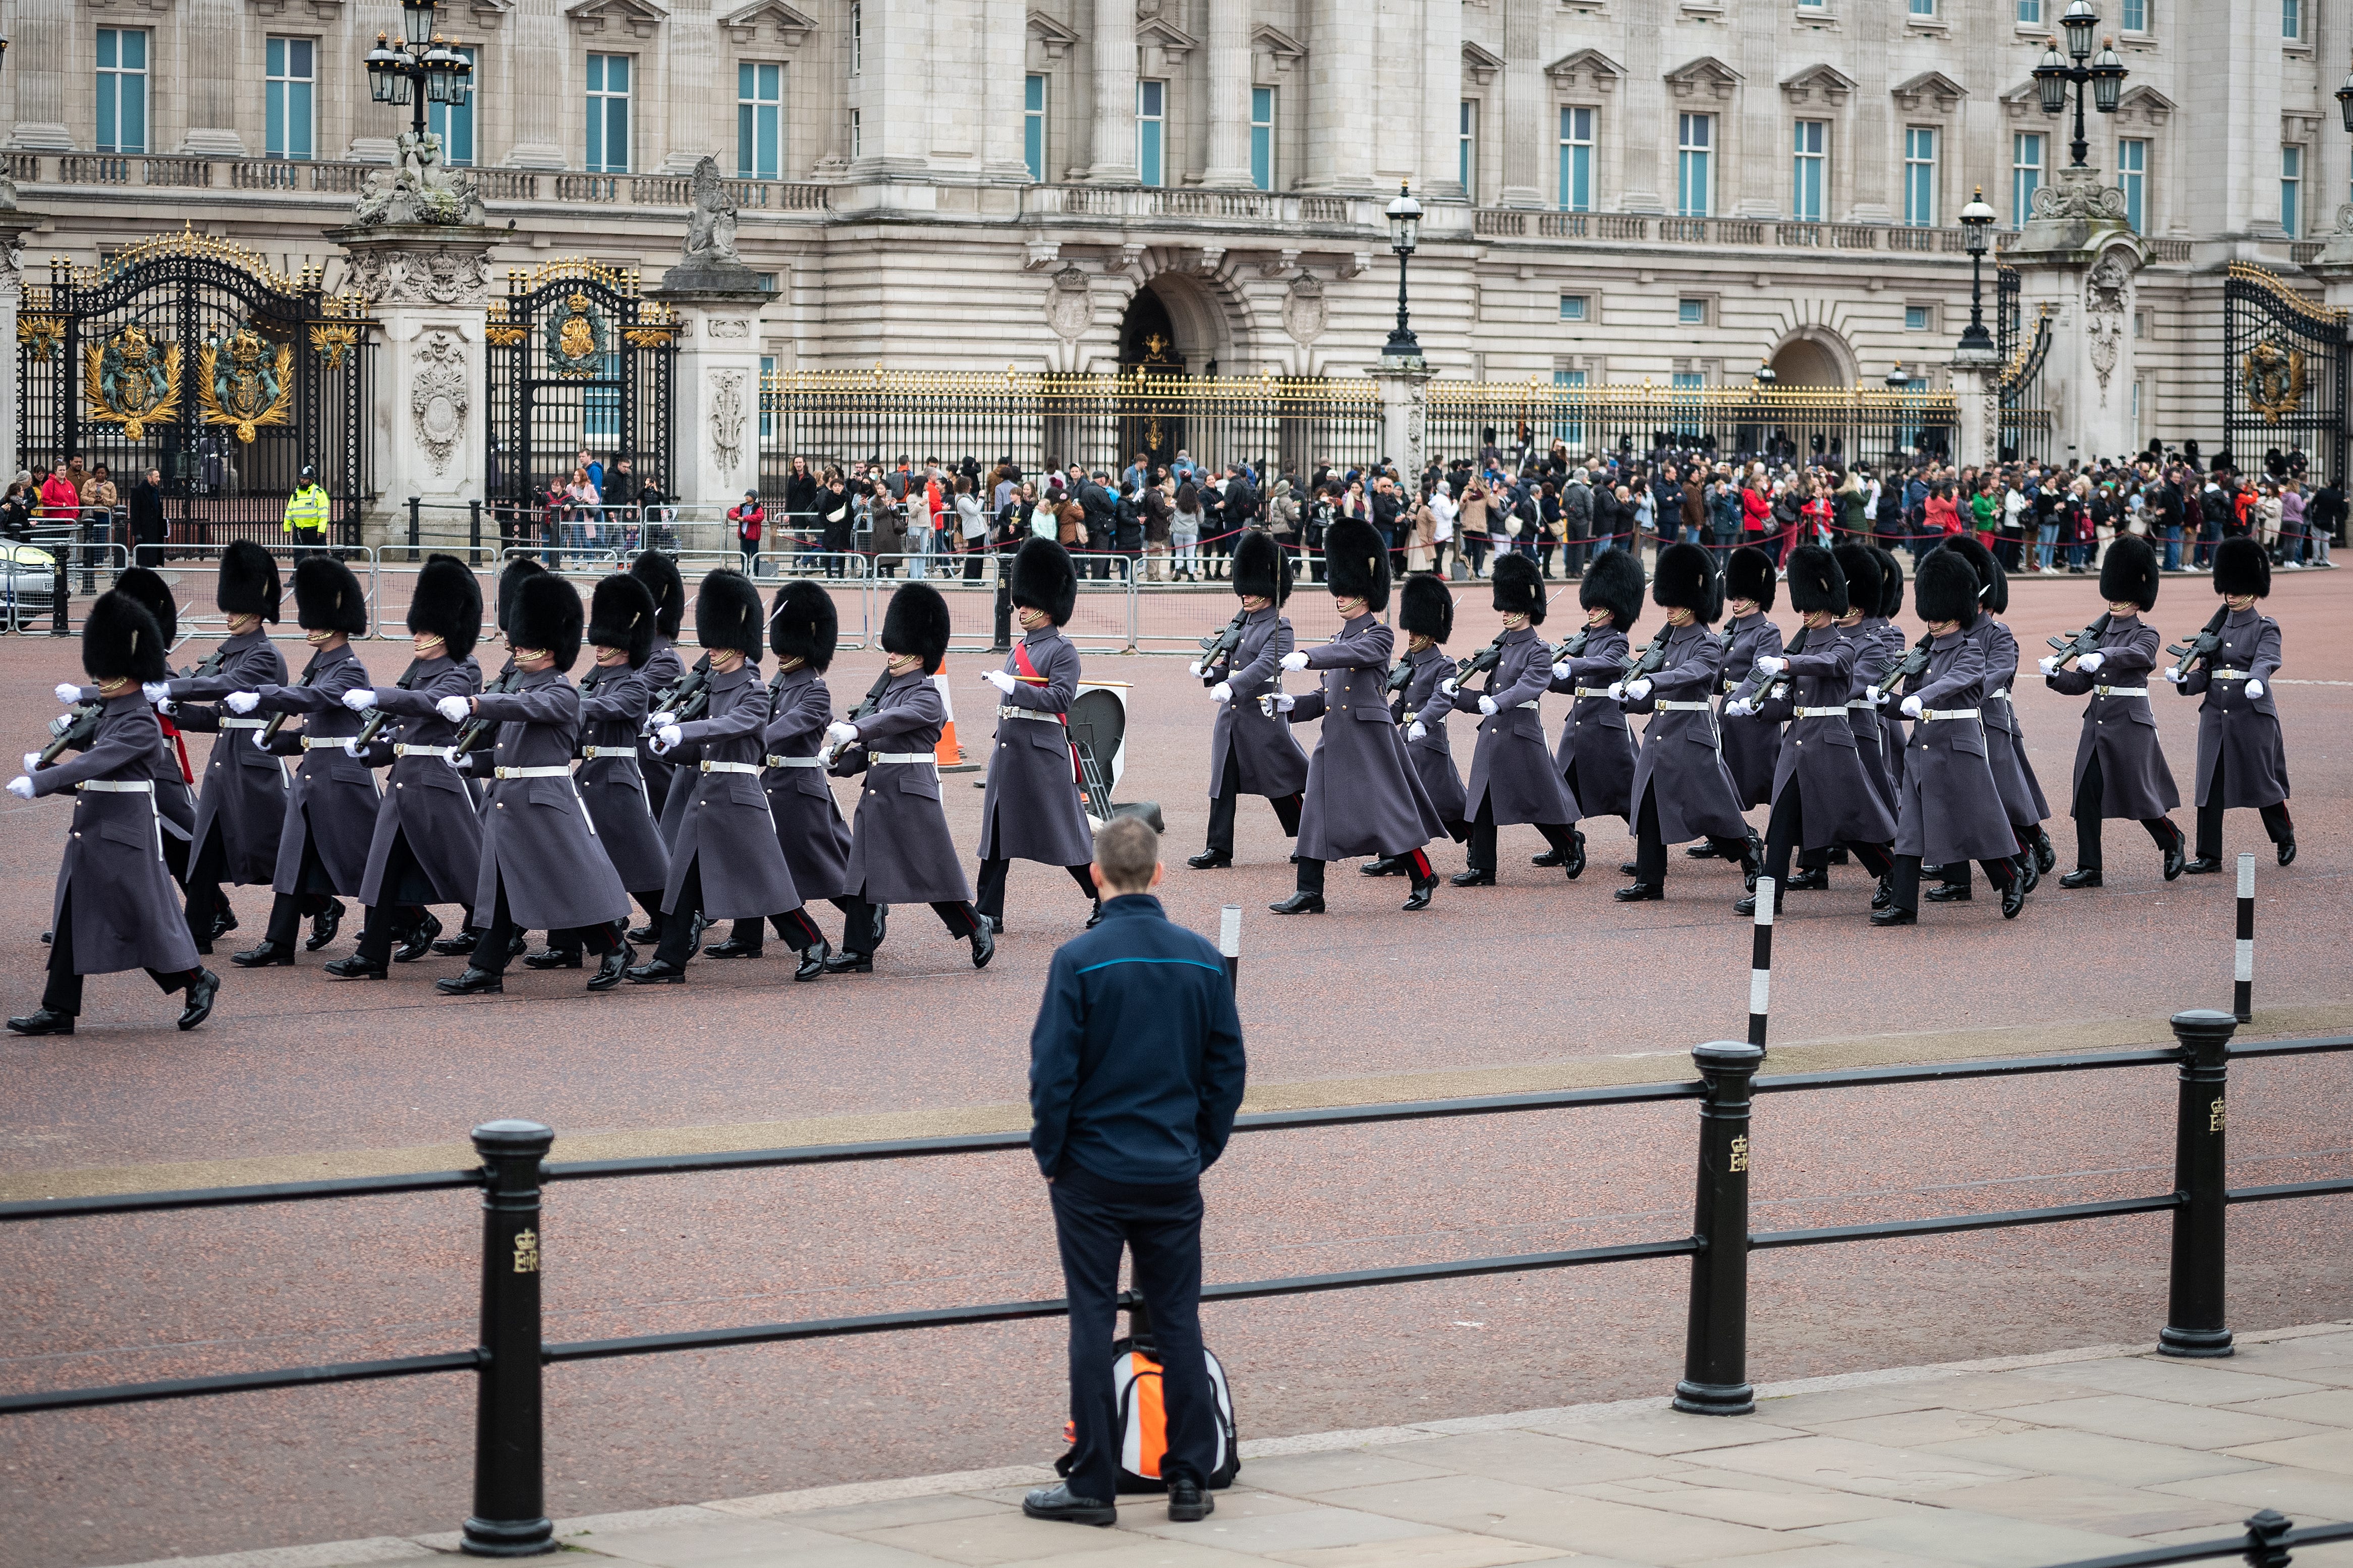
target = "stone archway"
x: 1813, y: 356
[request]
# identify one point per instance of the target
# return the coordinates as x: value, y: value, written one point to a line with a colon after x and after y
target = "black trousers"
x: 206, y: 864
x: 1160, y: 1227
x: 2278, y: 827
x: 676, y: 944
x: 399, y: 907
x: 1228, y: 795
x: 63, y: 992
x: 991, y: 899
x: 1481, y: 856
x: 1651, y: 850
x: 859, y: 929
x: 496, y: 944
x: 1310, y: 872
x: 2089, y: 796
x: 314, y: 893
x: 1904, y: 881
x: 752, y: 933
x: 1787, y: 824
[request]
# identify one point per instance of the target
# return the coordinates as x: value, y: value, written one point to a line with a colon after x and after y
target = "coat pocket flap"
x: 556, y: 793
x: 138, y: 832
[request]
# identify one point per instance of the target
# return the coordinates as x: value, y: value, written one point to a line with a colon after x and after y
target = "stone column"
x: 1003, y: 51
x: 1527, y: 103
x: 1112, y: 157
x: 1441, y: 91
x: 1339, y: 105
x: 715, y: 407
x: 1229, y: 94
x: 428, y: 285
x: 13, y: 224
x: 2077, y: 255
x: 214, y: 93
x: 1976, y: 408
x: 45, y: 37
x: 1405, y: 412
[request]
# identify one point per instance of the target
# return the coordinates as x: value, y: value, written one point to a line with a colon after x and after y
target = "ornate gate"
x: 2284, y: 382
x: 2025, y: 433
x: 192, y: 355
x: 579, y: 360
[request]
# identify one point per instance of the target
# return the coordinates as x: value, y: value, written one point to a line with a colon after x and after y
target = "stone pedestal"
x: 1976, y: 408
x: 1405, y: 413
x: 429, y: 286
x: 715, y: 404
x: 2078, y: 256
x: 12, y: 227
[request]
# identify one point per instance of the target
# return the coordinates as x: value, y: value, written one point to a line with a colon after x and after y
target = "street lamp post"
x: 2104, y: 75
x: 1976, y: 225
x: 1405, y: 233
x: 422, y: 69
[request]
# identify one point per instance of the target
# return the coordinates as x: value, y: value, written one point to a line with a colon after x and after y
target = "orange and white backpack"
x: 1144, y: 1421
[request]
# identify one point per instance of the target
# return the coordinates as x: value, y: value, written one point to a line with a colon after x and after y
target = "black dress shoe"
x: 1576, y: 863
x: 202, y: 990
x: 813, y: 960
x: 1056, y: 1502
x: 2204, y: 866
x: 2029, y: 876
x: 1094, y: 917
x: 223, y: 923
x: 2089, y: 878
x: 1747, y: 906
x: 1882, y: 895
x: 1752, y: 862
x: 1951, y: 893
x: 2013, y: 897
x: 1475, y: 878
x: 419, y: 942
x: 612, y: 966
x: 1816, y: 879
x: 1701, y: 852
x: 733, y: 948
x: 356, y: 967
x: 1188, y: 1503
x: 42, y: 1022
x: 1299, y: 904
x: 1387, y: 865
x: 456, y: 946
x: 1420, y: 897
x: 1629, y: 869
x: 2287, y: 852
x: 1894, y: 917
x: 553, y: 958
x: 2175, y: 858
x: 1929, y: 873
x: 1548, y: 859
x: 1837, y: 855
x: 646, y: 932
x: 660, y: 971
x: 325, y: 925
x: 473, y: 983
x: 983, y: 945
x: 848, y: 963
x: 1209, y: 860
x: 1640, y: 893
x: 46, y: 936
x: 262, y: 954
x: 2046, y: 854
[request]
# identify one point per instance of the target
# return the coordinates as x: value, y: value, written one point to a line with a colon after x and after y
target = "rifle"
x: 2202, y: 645
x: 1219, y: 646
x: 71, y: 730
x: 378, y: 717
x: 278, y: 721
x: 1654, y: 654
x: 2077, y: 645
x: 865, y: 709
x: 211, y: 665
x: 1575, y: 646
x: 1401, y: 676
x: 689, y: 697
x: 1478, y: 663
x: 479, y: 733
x: 1915, y: 663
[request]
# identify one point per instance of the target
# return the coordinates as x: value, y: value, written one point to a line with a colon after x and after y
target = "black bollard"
x: 2264, y: 1531
x: 509, y: 1517
x: 1229, y: 942
x: 474, y: 532
x: 1761, y: 962
x: 1003, y: 631
x: 2194, y: 1325
x: 1715, y: 1343
x: 416, y: 527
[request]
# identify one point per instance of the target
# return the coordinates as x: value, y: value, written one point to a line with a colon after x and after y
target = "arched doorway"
x: 1808, y: 360
x: 1151, y: 366
x: 1147, y: 337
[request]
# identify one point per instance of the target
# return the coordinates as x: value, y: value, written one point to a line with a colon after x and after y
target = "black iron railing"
x: 2264, y: 1545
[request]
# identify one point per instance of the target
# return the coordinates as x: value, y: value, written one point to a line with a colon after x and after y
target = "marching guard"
x: 899, y: 850
x: 1032, y: 810
x: 175, y: 804
x: 1878, y: 648
x: 2119, y: 764
x: 663, y: 669
x: 1596, y: 758
x: 1362, y: 796
x: 2013, y: 779
x: 1250, y: 752
x: 428, y: 844
x: 540, y: 867
x: 1514, y: 778
x: 1751, y: 741
x: 2241, y: 761
x: 1426, y: 616
x: 1893, y: 737
x: 126, y: 915
x: 322, y: 854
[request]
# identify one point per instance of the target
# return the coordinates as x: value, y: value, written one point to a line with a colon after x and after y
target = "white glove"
x: 841, y: 733
x: 1283, y: 701
x: 1880, y: 699
x: 2254, y: 689
x: 1487, y: 707
x: 166, y: 705
x: 261, y: 739
x: 1294, y: 660
x: 1638, y: 690
x: 1911, y: 708
x: 359, y: 699
x: 1560, y: 671
x: 1768, y: 666
x: 155, y: 690
x: 1740, y: 707
x: 2090, y: 663
x: 1451, y: 686
x: 352, y: 747
x: 670, y: 735
x: 68, y: 693
x: 32, y: 762
x: 21, y: 787
x: 1617, y: 693
x: 1417, y: 731
x: 999, y: 679
x: 244, y: 702
x: 1199, y: 670
x: 454, y: 709
x: 1222, y: 692
x: 2173, y: 673
x: 664, y: 717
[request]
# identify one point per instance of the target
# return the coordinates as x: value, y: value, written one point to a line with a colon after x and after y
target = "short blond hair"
x: 1126, y: 851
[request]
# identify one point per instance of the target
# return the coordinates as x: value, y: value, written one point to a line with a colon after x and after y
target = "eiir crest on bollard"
x: 526, y: 1253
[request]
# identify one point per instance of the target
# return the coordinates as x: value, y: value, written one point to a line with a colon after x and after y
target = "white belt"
x: 244, y: 723
x: 2120, y: 691
x: 550, y: 772
x: 1685, y: 708
x: 2230, y: 674
x: 2000, y: 695
x: 906, y: 757
x: 593, y: 752
x: 1865, y: 703
x: 1530, y: 704
x: 446, y: 753
x: 119, y: 786
x: 796, y: 761
x: 1821, y: 712
x: 312, y: 743
x: 1948, y: 713
x: 1592, y: 691
x: 1006, y: 711
x: 730, y: 767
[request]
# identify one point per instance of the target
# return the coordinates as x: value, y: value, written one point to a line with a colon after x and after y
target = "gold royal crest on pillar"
x: 245, y: 382
x: 2274, y: 380
x: 578, y: 339
x: 131, y: 381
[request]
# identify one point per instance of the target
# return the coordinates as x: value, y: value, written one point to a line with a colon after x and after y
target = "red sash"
x: 1028, y: 672
x: 172, y: 733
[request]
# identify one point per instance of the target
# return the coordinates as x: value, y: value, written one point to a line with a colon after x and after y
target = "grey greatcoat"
x: 809, y: 823
x: 333, y: 802
x: 611, y: 776
x: 1032, y: 811
x: 1596, y: 740
x: 424, y: 797
x: 745, y: 876
x: 1950, y: 812
x: 2242, y: 733
x: 536, y: 835
x: 1818, y: 749
x: 245, y: 787
x: 1363, y: 797
x: 899, y: 851
x: 2121, y: 730
x: 662, y: 669
x: 126, y: 911
x: 1510, y: 771
x: 1680, y: 761
x: 2021, y: 796
x: 1895, y: 741
x: 1879, y: 648
x: 1431, y: 758
x: 1269, y: 760
x: 1752, y: 745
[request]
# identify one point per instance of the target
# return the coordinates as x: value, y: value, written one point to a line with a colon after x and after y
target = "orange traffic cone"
x: 949, y: 754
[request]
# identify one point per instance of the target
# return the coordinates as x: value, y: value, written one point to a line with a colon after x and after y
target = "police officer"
x: 1250, y: 752
x: 1513, y: 777
x: 1596, y: 749
x: 1032, y: 810
x: 306, y: 511
x: 1426, y: 616
x: 2241, y: 761
x: 1751, y: 741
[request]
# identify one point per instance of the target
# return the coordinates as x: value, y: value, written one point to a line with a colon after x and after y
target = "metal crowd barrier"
x: 508, y: 1513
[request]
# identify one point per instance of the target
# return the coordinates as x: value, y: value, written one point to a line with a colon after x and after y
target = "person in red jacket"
x: 747, y: 518
x: 1756, y: 513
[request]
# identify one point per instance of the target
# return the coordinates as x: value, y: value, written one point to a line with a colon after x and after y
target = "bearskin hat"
x: 448, y: 601
x: 1865, y: 588
x: 1262, y: 568
x: 155, y: 593
x: 120, y: 641
x: 1891, y: 582
x: 2240, y: 566
x: 728, y: 614
x: 1946, y: 589
x: 1614, y: 583
x: 1748, y: 573
x: 917, y: 622
x: 621, y: 615
x: 546, y: 615
x: 519, y: 571
x: 1817, y: 581
x: 1519, y: 588
x: 1686, y: 580
x: 2130, y: 572
x: 1357, y: 562
x: 248, y: 580
x: 328, y: 598
x: 659, y: 573
x: 805, y: 624
x: 1044, y: 579
x: 1993, y: 583
x: 1424, y: 605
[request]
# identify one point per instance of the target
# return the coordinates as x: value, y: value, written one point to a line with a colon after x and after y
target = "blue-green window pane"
x: 608, y: 114
x: 2292, y: 190
x: 1263, y: 138
x: 2029, y: 12
x: 1691, y: 313
x: 2025, y: 174
x: 1033, y: 126
x: 287, y: 97
x: 1810, y: 159
x: 1466, y: 144
x: 1920, y: 177
x: 1572, y: 306
x: 1576, y: 194
x: 122, y: 90
x: 2291, y: 18
x: 1151, y: 98
x: 1916, y: 318
x: 2136, y: 15
x: 1568, y: 428
x: 454, y: 122
x: 2132, y: 172
x: 1695, y: 141
x: 759, y: 120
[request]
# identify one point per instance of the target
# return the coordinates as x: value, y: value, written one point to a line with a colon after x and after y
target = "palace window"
x: 608, y: 114
x: 1691, y: 313
x: 1263, y: 138
x: 1576, y: 160
x: 2136, y: 15
x: 1466, y: 148
x: 1033, y: 126
x: 2292, y: 190
x: 1916, y: 318
x: 1151, y: 122
x: 857, y: 37
x: 1920, y: 176
x: 2292, y: 20
x: 2025, y: 174
x: 759, y: 120
x: 121, y: 90
x: 1810, y: 162
x: 454, y: 122
x: 1573, y: 307
x: 289, y: 108
x: 1694, y: 167
x: 1568, y: 429
x: 2132, y: 175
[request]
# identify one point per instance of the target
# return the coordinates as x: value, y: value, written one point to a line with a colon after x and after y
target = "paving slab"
x: 1554, y: 1519
x: 2331, y: 1451
x: 2059, y: 1450
x: 2182, y: 1381
x: 2159, y: 1421
x: 1844, y: 1465
x: 1976, y: 1540
x: 2333, y: 1405
x: 2087, y: 1504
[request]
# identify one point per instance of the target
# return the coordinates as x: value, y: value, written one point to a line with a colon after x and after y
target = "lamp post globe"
x: 2107, y: 77
x: 2080, y: 22
x: 1405, y: 234
x: 416, y: 18
x: 2344, y: 100
x: 1976, y: 227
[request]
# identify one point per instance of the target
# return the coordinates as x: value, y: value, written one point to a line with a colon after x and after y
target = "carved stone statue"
x: 419, y: 189
x: 711, y: 221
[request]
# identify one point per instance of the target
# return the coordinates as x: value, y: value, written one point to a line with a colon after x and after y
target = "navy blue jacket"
x: 1136, y: 1063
